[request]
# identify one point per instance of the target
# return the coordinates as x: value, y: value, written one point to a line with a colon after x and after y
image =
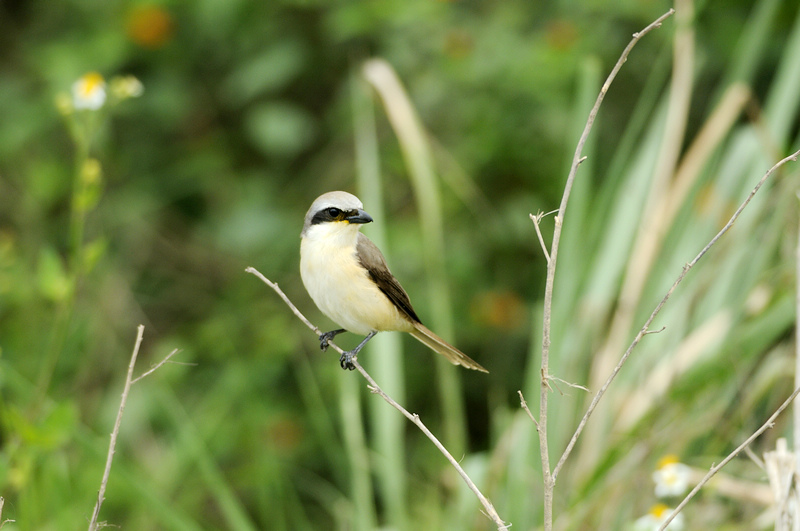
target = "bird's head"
x: 336, y: 211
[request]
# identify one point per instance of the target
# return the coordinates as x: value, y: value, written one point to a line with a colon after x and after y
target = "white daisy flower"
x: 89, y: 92
x: 671, y: 477
x: 656, y: 517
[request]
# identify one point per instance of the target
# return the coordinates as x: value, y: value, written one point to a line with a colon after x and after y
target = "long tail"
x: 422, y: 334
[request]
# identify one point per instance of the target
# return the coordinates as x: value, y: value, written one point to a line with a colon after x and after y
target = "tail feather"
x: 422, y: 334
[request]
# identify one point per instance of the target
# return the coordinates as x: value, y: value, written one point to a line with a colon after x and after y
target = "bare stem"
x: 129, y: 381
x: 714, y: 469
x: 413, y: 417
x: 549, y: 478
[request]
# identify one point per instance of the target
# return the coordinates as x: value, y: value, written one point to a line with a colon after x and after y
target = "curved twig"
x: 413, y: 417
x: 714, y: 469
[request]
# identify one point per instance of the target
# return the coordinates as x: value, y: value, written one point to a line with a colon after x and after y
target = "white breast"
x: 340, y: 286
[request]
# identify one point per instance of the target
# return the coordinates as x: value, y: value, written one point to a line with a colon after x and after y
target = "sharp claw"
x: 346, y: 361
x: 326, y: 337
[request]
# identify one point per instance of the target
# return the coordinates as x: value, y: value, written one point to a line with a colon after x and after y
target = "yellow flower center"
x: 667, y: 460
x: 91, y: 82
x: 659, y: 510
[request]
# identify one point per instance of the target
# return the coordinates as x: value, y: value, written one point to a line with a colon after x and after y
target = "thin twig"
x: 645, y: 329
x: 537, y: 219
x: 129, y: 381
x: 549, y: 478
x: 413, y: 417
x: 159, y: 364
x: 113, y: 444
x: 524, y: 405
x: 714, y: 469
x: 754, y: 458
x: 568, y: 384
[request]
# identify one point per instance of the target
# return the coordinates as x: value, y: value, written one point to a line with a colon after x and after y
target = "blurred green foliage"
x: 247, y: 116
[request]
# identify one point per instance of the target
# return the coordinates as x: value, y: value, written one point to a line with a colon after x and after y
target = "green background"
x: 251, y: 110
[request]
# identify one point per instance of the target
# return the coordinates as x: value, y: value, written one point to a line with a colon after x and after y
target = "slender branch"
x: 113, y: 444
x: 714, y: 469
x: 549, y: 479
x: 158, y: 366
x: 537, y: 219
x: 129, y: 381
x: 524, y: 405
x: 413, y: 417
x: 645, y: 329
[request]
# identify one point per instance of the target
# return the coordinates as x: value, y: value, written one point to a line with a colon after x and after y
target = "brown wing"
x: 373, y: 261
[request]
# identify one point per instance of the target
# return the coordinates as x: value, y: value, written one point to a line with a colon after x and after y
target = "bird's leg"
x: 346, y: 360
x: 327, y: 336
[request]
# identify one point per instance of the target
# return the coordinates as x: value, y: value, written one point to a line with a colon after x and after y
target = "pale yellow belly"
x: 343, y: 291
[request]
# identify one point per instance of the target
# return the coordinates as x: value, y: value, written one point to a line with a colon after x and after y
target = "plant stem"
x: 549, y: 478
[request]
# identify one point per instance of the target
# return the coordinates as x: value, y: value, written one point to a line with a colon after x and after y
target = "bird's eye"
x: 334, y: 212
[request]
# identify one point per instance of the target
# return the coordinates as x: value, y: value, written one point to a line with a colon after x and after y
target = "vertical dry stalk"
x: 550, y: 476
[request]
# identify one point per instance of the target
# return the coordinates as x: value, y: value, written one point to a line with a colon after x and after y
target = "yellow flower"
x: 89, y: 92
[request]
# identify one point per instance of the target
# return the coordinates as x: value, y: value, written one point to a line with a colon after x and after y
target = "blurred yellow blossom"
x: 149, y: 26
x: 91, y: 171
x: 656, y: 517
x: 124, y: 87
x: 87, y: 196
x: 89, y: 92
x: 671, y: 477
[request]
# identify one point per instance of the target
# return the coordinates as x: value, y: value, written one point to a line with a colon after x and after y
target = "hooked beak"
x: 359, y: 216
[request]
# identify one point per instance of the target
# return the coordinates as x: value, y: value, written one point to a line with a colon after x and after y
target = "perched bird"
x: 348, y: 279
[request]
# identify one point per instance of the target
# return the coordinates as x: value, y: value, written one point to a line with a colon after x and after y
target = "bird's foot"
x: 324, y: 339
x: 346, y: 360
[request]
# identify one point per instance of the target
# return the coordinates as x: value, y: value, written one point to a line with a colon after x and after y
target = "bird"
x: 347, y: 278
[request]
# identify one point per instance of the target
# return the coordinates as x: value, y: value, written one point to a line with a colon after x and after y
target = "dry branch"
x: 644, y: 330
x: 413, y: 417
x: 548, y: 476
x: 716, y: 468
x: 129, y: 381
